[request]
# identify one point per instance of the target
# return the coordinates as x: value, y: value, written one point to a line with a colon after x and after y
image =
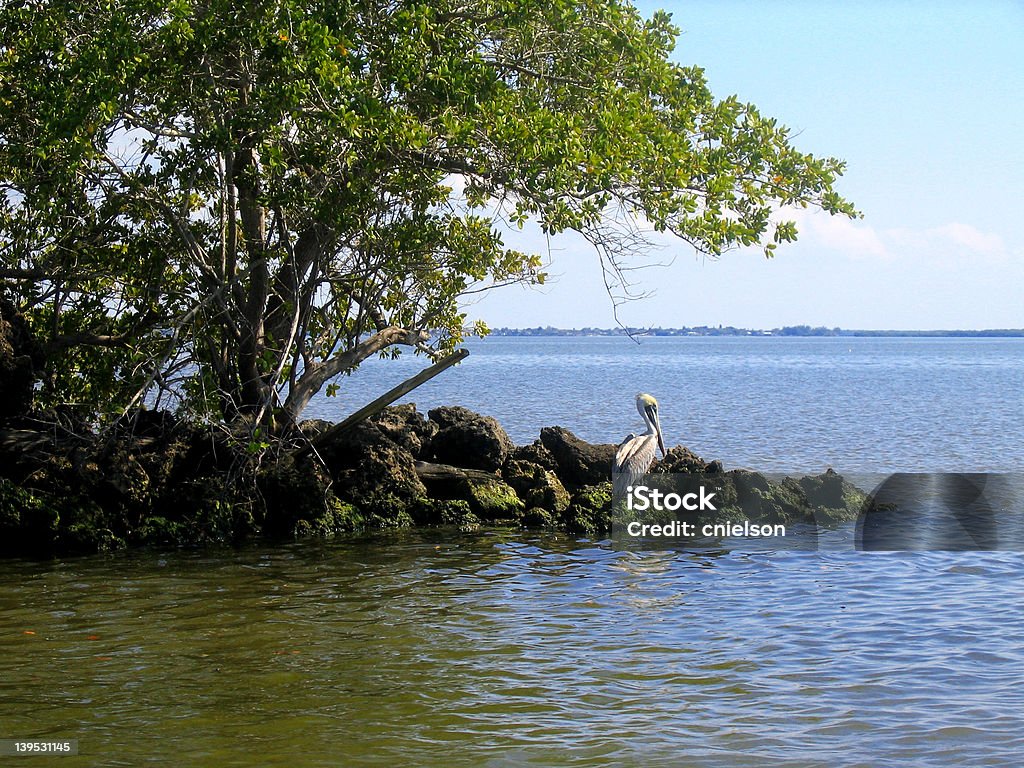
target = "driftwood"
x: 430, y: 472
x: 378, y: 405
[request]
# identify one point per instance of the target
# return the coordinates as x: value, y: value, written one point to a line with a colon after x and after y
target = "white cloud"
x: 951, y: 242
x: 971, y: 239
x: 836, y: 233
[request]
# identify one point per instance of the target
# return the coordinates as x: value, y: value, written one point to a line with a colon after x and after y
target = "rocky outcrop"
x: 158, y: 481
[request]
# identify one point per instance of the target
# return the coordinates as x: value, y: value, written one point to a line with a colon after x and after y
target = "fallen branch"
x: 430, y: 472
x: 378, y: 405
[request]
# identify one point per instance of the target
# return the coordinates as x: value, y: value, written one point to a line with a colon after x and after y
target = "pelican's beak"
x: 653, y: 412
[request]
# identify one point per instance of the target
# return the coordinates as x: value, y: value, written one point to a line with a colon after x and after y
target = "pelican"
x: 635, y: 455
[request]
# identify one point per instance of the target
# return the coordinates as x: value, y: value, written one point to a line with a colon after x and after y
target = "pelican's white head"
x: 648, y: 408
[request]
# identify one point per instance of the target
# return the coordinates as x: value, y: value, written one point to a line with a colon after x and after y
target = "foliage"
x: 235, y: 202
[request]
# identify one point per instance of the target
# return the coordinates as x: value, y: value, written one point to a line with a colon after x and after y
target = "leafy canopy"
x: 232, y: 203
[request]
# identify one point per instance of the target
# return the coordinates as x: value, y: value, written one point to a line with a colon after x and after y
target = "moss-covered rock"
x: 761, y: 500
x: 86, y: 527
x: 458, y: 513
x: 493, y: 500
x: 589, y: 511
x: 832, y: 498
x: 294, y: 497
x: 536, y: 486
x: 154, y: 480
x: 213, y: 510
x: 160, y: 532
x: 538, y: 517
x: 427, y: 511
x: 337, y: 517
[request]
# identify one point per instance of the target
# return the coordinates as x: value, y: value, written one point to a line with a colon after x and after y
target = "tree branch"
x: 313, y: 379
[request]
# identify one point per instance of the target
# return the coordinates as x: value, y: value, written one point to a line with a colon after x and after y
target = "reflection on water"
x: 505, y: 649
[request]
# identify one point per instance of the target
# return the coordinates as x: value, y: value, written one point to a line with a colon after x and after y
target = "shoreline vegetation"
x: 789, y: 330
x: 156, y: 481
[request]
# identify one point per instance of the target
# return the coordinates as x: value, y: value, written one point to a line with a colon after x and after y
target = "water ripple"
x: 506, y: 649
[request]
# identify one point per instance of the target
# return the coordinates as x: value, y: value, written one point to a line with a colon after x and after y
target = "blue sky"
x: 925, y: 102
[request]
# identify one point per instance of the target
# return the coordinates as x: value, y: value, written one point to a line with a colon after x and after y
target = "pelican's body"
x: 636, y: 454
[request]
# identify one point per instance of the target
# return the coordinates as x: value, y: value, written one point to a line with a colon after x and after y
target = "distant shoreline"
x: 789, y: 331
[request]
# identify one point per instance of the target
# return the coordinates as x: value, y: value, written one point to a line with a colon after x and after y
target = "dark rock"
x: 445, y: 482
x: 535, y: 453
x: 382, y: 484
x: 126, y: 478
x: 155, y: 480
x: 579, y: 463
x: 312, y: 428
x: 160, y: 532
x: 298, y: 501
x: 487, y: 495
x: 346, y: 450
x: 211, y: 509
x: 683, y: 461
x: 537, y: 517
x: 467, y: 439
x: 761, y: 500
x: 29, y: 520
x: 457, y: 512
x: 405, y: 427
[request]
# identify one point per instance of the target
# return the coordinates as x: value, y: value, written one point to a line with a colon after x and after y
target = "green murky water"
x: 504, y: 649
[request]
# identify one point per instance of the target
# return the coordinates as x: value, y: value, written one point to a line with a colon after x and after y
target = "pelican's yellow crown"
x: 643, y: 400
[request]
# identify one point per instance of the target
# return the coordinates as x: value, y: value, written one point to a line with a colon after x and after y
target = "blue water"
x: 872, y: 405
x: 515, y: 648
